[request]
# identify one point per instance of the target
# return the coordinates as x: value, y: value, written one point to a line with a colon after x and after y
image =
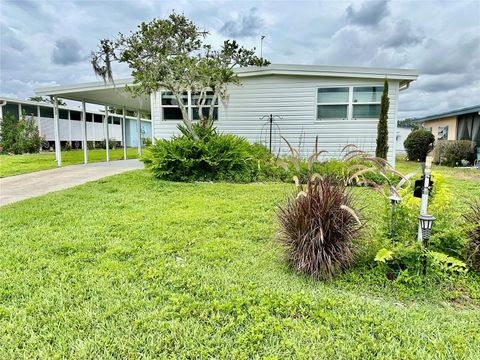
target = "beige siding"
x: 451, y: 122
x: 293, y: 98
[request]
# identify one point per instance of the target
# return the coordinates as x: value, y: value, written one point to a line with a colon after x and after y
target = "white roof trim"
x: 89, y: 86
x: 329, y: 71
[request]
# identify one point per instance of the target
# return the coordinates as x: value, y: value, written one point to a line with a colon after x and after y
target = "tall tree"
x: 382, y: 128
x: 172, y: 54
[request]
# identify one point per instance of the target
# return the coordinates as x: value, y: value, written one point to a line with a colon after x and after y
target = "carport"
x: 99, y: 93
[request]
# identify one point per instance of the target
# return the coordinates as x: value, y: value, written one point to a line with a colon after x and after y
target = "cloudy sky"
x: 47, y: 43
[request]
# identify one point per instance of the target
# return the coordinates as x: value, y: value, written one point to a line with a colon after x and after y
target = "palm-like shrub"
x: 318, y: 227
x: 318, y: 224
x: 473, y: 233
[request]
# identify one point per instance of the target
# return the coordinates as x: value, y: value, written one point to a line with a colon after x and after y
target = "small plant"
x: 418, y: 144
x: 472, y: 250
x: 318, y: 224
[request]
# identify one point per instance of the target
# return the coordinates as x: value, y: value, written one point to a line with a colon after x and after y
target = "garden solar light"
x: 394, y: 199
x: 426, y: 223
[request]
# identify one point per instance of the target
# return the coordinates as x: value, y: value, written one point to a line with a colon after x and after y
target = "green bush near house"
x: 452, y: 153
x: 418, y: 144
x: 20, y: 136
x: 205, y: 156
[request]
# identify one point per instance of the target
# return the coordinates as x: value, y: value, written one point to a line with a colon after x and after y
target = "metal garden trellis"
x: 271, y: 125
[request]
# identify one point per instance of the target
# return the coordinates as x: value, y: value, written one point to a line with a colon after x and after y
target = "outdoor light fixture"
x: 394, y: 199
x: 426, y: 223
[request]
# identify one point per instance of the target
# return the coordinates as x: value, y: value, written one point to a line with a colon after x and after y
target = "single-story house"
x: 458, y: 124
x: 402, y: 133
x: 70, y: 123
x: 339, y: 104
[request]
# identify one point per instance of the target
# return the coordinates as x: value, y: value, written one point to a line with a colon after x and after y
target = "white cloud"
x: 441, y: 40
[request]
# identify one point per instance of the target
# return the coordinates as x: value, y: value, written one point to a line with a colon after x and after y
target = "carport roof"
x: 99, y: 92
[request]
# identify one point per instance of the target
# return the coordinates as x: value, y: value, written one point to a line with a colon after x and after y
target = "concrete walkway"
x: 25, y: 186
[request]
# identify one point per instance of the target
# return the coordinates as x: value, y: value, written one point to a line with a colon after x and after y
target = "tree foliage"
x: 21, y: 136
x: 382, y: 129
x: 49, y: 100
x: 172, y: 54
x: 408, y: 123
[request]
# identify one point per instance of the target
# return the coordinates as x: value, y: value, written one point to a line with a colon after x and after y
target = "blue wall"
x: 131, y: 131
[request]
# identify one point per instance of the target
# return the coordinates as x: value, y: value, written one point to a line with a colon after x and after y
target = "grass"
x: 130, y: 267
x: 26, y: 163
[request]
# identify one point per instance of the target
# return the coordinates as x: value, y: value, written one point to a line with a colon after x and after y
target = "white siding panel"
x: 76, y: 130
x: 293, y: 98
x: 47, y: 128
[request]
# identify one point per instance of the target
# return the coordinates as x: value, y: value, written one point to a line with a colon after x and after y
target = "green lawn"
x: 21, y: 164
x: 132, y: 267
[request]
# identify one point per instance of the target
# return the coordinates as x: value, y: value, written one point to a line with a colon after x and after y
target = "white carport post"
x: 84, y: 133
x: 124, y: 135
x: 56, y: 127
x: 39, y: 125
x: 139, y: 135
x: 107, y: 136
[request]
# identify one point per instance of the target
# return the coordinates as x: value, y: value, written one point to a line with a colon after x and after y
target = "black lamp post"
x: 426, y: 223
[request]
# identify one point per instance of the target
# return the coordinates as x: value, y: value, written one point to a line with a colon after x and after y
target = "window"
x: 366, y: 102
x: 46, y: 112
x: 116, y: 120
x: 332, y: 103
x: 29, y: 110
x: 171, y: 110
x: 172, y: 113
x: 205, y: 107
x: 62, y: 114
x: 442, y: 133
x: 97, y: 118
x: 11, y: 109
x: 170, y: 100
x: 347, y: 103
x: 205, y: 112
x: 75, y: 115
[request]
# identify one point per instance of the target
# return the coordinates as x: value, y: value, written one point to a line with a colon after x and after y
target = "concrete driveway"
x: 25, y: 186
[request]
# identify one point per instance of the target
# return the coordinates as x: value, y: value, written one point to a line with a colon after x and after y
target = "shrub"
x: 202, y: 156
x: 453, y: 152
x: 318, y: 227
x: 418, y: 144
x: 472, y: 250
x: 20, y: 136
x: 8, y: 132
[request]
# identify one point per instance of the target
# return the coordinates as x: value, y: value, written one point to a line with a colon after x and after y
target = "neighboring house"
x: 459, y: 124
x: 340, y: 105
x: 70, y: 122
x: 402, y: 133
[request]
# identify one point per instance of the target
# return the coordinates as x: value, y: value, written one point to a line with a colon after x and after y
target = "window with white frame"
x: 171, y: 110
x: 205, y: 107
x: 332, y: 103
x: 347, y: 103
x: 366, y: 102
